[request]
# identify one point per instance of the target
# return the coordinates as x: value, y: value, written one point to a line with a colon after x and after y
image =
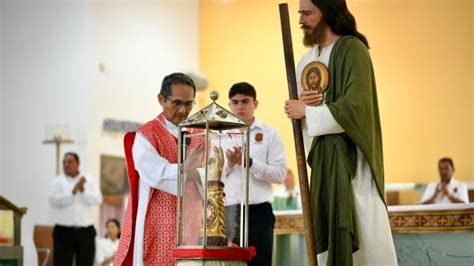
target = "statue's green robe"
x: 352, y: 100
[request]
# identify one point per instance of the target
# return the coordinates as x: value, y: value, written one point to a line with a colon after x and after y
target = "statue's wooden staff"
x: 298, y: 134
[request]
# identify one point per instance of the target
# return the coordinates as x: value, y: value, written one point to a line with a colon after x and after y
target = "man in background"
x: 448, y: 189
x: 73, y: 197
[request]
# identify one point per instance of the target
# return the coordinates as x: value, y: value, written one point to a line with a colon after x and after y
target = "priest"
x: 149, y: 231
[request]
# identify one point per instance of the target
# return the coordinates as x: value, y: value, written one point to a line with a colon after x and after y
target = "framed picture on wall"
x: 113, y: 175
x: 114, y: 187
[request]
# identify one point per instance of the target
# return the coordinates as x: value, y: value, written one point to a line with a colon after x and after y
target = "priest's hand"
x: 195, y: 157
x: 311, y: 97
x: 234, y: 157
x: 295, y: 109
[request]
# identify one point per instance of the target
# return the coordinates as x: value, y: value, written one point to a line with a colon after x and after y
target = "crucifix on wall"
x: 57, y: 134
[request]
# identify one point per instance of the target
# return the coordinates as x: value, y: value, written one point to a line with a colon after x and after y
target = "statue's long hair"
x: 338, y: 17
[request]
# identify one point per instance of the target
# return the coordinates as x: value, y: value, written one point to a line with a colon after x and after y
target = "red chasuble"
x: 160, y: 220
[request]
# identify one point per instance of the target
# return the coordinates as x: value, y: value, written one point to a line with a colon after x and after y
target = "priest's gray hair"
x: 176, y: 78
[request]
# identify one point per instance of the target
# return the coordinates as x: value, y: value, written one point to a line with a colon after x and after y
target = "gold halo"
x: 323, y: 76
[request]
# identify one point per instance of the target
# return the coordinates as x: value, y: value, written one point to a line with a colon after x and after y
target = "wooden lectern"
x: 12, y: 253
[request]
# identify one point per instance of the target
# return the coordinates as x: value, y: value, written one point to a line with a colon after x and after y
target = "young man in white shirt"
x: 74, y: 198
x: 447, y: 190
x: 267, y: 164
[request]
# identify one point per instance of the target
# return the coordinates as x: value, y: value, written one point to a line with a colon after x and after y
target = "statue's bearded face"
x: 311, y: 22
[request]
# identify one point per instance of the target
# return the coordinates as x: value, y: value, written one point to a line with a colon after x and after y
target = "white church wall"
x: 136, y: 44
x: 1, y: 100
x: 51, y: 51
x: 45, y: 60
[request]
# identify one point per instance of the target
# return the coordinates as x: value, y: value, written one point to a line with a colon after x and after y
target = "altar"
x: 423, y: 234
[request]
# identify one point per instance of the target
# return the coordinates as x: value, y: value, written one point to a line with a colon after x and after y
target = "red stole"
x: 160, y: 220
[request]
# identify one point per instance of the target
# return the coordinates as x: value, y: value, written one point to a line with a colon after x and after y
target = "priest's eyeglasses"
x: 178, y: 104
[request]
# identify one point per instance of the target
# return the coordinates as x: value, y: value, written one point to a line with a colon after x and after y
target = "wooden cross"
x: 58, y: 140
